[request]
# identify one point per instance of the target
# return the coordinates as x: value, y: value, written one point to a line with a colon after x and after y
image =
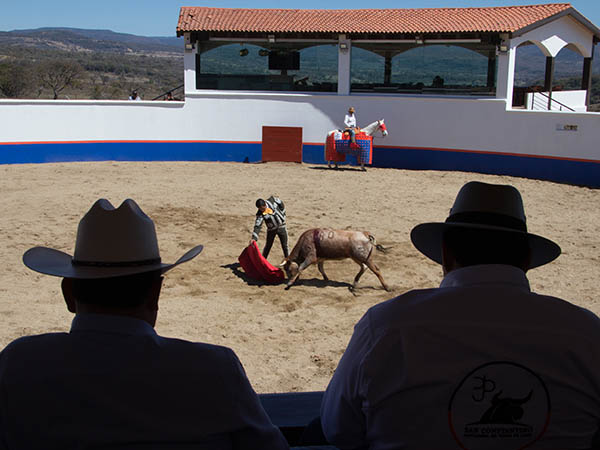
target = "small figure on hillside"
x: 169, y: 97
x: 351, y: 128
x: 272, y: 212
x: 134, y: 96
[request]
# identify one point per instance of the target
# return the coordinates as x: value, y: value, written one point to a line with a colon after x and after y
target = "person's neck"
x: 138, y: 312
x: 447, y: 268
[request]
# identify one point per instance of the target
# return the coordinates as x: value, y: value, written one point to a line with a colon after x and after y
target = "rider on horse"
x: 351, y: 128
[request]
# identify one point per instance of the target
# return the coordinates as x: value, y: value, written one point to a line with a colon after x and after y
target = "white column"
x: 344, y: 65
x: 189, y: 64
x: 506, y: 75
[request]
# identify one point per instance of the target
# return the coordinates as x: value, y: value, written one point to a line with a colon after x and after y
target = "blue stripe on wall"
x: 560, y: 170
x: 130, y: 151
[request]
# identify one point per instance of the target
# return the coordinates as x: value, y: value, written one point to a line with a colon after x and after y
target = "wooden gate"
x: 282, y: 144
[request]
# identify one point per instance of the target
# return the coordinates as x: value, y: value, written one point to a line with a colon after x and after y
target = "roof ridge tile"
x: 388, y: 20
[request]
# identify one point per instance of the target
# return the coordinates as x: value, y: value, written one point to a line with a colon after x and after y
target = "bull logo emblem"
x: 500, y: 405
x: 505, y: 410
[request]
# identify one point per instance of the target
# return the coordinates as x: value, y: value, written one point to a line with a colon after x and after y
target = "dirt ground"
x: 287, y: 340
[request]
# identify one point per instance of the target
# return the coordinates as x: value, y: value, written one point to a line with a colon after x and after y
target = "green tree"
x: 15, y: 80
x: 96, y: 92
x: 59, y: 74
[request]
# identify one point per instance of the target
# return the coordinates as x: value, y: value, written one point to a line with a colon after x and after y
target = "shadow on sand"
x: 319, y: 283
x: 339, y: 169
x: 236, y: 269
x: 238, y: 272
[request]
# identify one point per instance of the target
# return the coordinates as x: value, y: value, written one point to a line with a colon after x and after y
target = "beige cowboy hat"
x: 490, y: 207
x: 110, y: 243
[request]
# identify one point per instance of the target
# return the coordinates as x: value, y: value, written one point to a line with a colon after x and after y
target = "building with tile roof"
x: 370, y: 22
x: 493, y: 32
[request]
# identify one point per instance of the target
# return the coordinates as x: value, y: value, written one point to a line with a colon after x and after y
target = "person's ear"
x: 154, y: 294
x: 526, y: 260
x: 448, y: 260
x: 67, y: 290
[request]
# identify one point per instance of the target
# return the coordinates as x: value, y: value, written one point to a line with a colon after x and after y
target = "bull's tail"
x: 377, y: 246
x: 381, y: 248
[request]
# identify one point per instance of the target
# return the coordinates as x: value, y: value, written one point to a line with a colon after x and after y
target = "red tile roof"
x: 427, y: 20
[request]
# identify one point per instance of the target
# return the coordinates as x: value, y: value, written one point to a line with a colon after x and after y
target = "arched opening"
x: 544, y: 82
x: 568, y: 69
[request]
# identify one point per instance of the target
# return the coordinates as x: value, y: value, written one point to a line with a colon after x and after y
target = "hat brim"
x: 59, y: 264
x: 427, y: 238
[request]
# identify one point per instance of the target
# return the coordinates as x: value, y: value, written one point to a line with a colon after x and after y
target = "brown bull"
x: 318, y: 244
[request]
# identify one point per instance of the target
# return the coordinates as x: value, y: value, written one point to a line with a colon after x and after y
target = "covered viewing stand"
x: 280, y: 34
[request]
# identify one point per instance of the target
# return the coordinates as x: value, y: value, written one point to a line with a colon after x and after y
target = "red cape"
x: 257, y: 267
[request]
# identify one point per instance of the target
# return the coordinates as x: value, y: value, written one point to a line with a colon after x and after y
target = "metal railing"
x: 546, y: 102
x: 164, y: 95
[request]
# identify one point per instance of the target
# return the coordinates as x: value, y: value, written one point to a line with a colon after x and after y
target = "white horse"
x: 369, y: 130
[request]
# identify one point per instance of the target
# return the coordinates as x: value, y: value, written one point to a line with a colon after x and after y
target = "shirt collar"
x: 486, y: 274
x: 107, y: 323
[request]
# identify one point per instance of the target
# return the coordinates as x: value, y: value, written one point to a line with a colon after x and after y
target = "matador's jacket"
x: 273, y: 216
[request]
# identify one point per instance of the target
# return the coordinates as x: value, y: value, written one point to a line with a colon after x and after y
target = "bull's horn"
x: 283, y: 263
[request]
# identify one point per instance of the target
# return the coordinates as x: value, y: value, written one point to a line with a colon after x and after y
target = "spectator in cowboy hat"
x: 481, y: 361
x: 112, y: 382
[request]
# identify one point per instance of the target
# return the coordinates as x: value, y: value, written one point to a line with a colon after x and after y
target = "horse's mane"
x: 372, y: 127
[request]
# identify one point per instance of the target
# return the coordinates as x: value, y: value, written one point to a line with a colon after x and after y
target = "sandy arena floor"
x: 287, y: 340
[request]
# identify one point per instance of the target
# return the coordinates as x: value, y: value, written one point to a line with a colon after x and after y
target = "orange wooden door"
x: 282, y: 144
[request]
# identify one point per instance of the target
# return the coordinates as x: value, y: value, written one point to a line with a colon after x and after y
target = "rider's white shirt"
x: 350, y: 121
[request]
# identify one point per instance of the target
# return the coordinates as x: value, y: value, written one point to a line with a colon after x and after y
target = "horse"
x: 369, y: 130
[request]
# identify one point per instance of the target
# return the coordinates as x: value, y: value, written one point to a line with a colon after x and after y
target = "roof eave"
x: 335, y: 33
x: 567, y: 12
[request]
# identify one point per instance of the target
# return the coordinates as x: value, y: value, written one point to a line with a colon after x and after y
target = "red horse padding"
x: 257, y: 267
x: 330, y: 152
x: 336, y: 150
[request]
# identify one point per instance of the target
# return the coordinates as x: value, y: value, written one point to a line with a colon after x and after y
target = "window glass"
x: 272, y: 67
x: 437, y: 69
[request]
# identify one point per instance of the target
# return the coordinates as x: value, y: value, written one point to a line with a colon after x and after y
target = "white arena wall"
x: 444, y: 133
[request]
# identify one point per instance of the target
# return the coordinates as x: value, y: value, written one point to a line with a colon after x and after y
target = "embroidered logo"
x: 499, y: 405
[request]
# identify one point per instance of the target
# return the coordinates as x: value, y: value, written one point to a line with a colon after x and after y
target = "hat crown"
x: 106, y: 235
x: 486, y: 207
x: 483, y: 199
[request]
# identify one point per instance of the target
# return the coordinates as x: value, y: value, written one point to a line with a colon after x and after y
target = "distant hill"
x: 113, y: 64
x: 116, y: 63
x: 77, y: 39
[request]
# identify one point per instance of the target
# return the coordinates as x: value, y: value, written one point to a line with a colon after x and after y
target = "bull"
x: 319, y: 244
x: 505, y: 410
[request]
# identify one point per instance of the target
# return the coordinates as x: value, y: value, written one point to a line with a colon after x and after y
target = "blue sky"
x: 159, y: 17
